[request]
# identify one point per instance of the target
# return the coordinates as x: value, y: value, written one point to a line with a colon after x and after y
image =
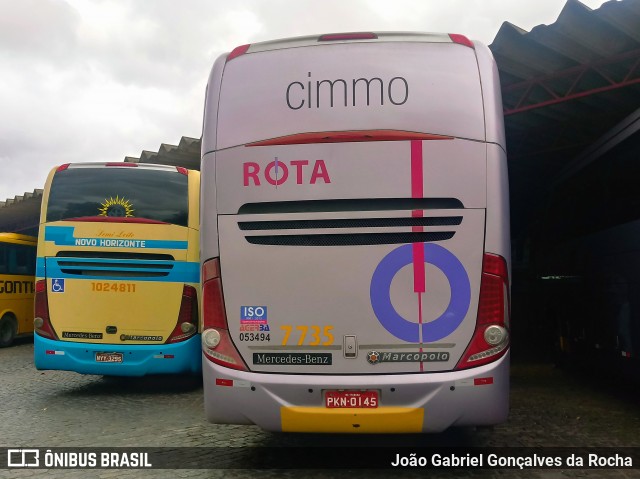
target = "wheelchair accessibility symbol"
x: 57, y: 285
x: 448, y: 321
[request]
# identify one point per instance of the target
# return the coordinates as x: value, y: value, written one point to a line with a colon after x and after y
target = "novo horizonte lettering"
x: 116, y: 243
x: 340, y: 92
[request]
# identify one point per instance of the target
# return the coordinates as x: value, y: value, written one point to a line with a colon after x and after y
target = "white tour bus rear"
x: 355, y: 235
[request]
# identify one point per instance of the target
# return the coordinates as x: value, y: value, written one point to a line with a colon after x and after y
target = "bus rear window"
x: 17, y: 259
x: 78, y: 193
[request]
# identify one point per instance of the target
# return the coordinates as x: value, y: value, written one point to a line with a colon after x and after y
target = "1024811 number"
x: 255, y: 337
x: 104, y: 287
x: 309, y: 335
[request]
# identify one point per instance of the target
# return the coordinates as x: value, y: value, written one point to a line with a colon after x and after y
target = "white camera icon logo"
x: 23, y: 458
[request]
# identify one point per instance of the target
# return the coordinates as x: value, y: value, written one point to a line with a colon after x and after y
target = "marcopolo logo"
x: 135, y: 337
x: 375, y: 357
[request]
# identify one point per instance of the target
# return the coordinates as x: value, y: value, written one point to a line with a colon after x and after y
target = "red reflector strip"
x: 224, y: 382
x: 56, y: 353
x: 116, y: 219
x: 237, y: 51
x: 348, y: 137
x: 461, y: 39
x: 130, y: 165
x: 482, y: 381
x: 334, y: 37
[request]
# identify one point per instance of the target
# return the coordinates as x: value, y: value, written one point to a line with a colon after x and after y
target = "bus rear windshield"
x: 17, y: 259
x: 86, y: 193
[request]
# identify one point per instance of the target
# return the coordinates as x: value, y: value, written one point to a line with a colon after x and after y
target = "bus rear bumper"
x: 137, y: 360
x: 408, y: 403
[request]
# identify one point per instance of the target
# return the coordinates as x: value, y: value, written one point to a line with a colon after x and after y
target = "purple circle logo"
x: 448, y: 321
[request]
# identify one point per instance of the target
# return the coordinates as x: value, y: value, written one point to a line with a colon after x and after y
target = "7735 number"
x: 313, y: 335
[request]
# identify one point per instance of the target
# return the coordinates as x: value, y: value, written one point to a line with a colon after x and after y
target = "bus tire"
x: 8, y: 330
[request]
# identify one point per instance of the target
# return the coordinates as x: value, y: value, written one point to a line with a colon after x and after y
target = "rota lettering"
x: 279, y: 172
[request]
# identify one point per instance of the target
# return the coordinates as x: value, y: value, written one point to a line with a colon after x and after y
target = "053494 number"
x: 313, y: 335
x: 113, y: 287
x: 255, y: 337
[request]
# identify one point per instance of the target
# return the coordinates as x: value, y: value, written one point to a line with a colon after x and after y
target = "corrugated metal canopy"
x: 21, y: 213
x: 564, y: 86
x: 186, y: 154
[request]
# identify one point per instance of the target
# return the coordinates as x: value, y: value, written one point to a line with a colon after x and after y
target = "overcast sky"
x: 98, y: 80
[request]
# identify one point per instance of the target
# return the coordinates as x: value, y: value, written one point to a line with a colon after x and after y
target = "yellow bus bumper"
x: 388, y: 420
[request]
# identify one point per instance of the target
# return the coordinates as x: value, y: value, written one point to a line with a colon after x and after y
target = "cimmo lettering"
x: 346, y: 93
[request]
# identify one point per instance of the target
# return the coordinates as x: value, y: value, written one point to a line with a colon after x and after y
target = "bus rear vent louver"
x: 349, y: 223
x: 351, y: 239
x: 109, y: 268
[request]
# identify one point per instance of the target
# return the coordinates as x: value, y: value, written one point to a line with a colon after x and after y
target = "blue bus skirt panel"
x: 138, y: 359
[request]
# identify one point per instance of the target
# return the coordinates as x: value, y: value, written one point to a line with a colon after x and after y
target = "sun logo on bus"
x: 116, y: 207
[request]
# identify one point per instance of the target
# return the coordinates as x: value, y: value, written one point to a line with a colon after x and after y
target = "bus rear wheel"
x: 8, y: 330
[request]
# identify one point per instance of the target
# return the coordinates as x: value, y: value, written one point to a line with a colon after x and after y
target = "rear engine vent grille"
x: 374, y: 204
x: 351, y: 239
x: 349, y: 223
x: 114, y: 255
x: 104, y: 264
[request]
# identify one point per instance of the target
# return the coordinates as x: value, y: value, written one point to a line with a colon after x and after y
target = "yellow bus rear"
x: 17, y: 269
x: 117, y: 270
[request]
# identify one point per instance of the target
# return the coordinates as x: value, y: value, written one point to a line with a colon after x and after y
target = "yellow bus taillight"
x: 42, y: 322
x: 187, y: 324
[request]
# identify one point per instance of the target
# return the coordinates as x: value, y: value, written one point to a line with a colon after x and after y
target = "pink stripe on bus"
x: 416, y: 169
x: 418, y: 268
x: 417, y: 191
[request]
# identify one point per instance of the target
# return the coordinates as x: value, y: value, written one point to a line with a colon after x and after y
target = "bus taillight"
x: 42, y: 323
x: 491, y: 337
x: 216, y: 341
x: 187, y: 324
